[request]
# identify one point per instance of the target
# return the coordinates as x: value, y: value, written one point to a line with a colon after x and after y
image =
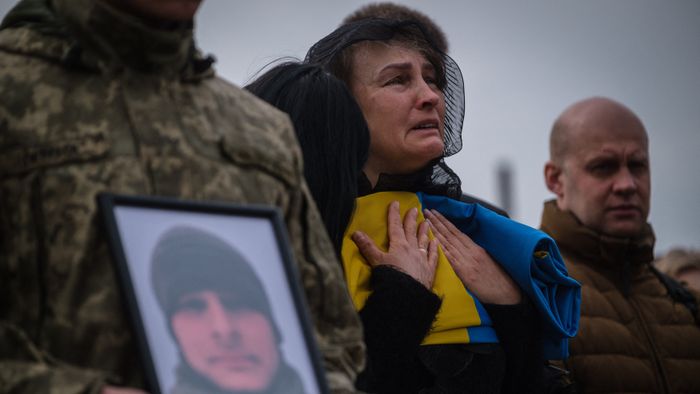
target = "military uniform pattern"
x: 70, y: 129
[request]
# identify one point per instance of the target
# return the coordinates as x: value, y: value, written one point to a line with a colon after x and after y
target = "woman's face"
x: 396, y: 88
x: 235, y: 349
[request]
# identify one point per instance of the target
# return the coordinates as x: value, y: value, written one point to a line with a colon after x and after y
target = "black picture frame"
x: 140, y: 228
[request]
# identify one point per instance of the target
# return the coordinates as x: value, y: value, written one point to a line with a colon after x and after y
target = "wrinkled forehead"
x: 616, y: 134
x: 371, y: 56
x: 601, y: 144
x: 365, y: 52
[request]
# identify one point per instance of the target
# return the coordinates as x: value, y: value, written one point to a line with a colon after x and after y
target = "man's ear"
x: 552, y: 177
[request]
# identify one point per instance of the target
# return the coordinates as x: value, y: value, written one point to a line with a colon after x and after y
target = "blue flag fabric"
x: 531, y: 258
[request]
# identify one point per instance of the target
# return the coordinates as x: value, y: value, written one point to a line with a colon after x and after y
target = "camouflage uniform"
x: 95, y: 100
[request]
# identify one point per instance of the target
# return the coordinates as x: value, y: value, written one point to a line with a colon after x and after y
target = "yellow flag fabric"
x: 461, y: 318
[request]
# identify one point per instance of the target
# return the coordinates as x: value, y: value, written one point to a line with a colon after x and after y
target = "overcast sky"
x: 523, y: 63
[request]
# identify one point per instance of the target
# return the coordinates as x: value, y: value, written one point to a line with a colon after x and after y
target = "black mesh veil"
x: 437, y: 177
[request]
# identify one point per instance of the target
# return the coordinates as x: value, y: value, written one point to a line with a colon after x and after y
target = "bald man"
x: 633, y: 336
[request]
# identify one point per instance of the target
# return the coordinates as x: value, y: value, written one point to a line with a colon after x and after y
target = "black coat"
x: 400, y: 311
x: 398, y: 315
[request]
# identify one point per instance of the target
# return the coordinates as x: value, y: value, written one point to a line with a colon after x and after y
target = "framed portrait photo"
x: 214, y: 296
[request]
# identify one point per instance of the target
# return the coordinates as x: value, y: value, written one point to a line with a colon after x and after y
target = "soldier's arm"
x: 338, y: 330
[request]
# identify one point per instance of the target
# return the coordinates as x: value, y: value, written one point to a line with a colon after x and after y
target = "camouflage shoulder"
x: 29, y: 42
x: 262, y: 134
x: 248, y: 104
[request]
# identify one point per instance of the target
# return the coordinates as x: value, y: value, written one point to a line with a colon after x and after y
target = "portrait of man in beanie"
x: 219, y: 315
x: 214, y: 297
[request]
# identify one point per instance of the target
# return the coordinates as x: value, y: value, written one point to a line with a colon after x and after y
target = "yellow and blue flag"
x: 530, y: 256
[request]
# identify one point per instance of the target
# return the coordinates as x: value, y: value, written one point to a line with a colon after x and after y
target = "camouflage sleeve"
x: 338, y: 328
x: 25, y: 369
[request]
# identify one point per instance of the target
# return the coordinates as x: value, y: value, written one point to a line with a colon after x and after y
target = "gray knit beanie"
x: 187, y: 259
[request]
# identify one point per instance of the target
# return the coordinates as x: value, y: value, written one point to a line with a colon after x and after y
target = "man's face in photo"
x: 231, y: 345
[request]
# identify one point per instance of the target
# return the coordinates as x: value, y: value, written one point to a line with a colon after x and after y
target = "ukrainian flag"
x: 530, y: 256
x: 461, y: 319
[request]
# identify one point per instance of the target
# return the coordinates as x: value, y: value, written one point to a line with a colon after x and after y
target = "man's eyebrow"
x: 600, y: 155
x: 639, y: 155
x: 603, y: 156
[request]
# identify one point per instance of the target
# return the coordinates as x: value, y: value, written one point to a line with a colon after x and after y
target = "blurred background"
x: 523, y: 63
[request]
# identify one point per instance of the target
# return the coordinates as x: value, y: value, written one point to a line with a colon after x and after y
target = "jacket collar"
x: 609, y: 253
x: 95, y: 35
x: 112, y: 38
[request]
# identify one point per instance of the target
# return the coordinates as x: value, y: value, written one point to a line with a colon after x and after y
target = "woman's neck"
x: 372, y: 176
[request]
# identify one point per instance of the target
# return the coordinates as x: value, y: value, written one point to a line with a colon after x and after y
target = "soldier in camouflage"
x: 104, y: 95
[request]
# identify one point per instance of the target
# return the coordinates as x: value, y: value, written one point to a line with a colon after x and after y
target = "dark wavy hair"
x: 332, y: 132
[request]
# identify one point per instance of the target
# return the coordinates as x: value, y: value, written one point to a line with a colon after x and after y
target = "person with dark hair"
x: 332, y: 133
x: 424, y: 332
x: 219, y: 315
